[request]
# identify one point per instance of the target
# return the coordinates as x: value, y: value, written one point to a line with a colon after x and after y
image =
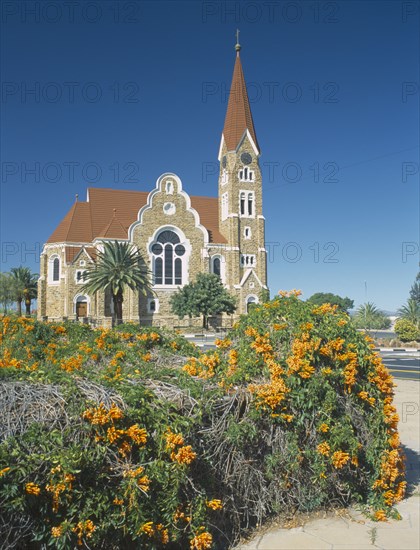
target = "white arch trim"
x: 149, y: 205
x: 79, y: 297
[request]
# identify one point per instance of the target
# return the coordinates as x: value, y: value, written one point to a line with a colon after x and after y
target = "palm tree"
x: 410, y: 311
x: 118, y: 266
x: 368, y: 316
x: 30, y: 292
x: 24, y: 287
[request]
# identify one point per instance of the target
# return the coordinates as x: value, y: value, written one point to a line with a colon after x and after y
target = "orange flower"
x: 173, y: 439
x: 84, y: 528
x: 203, y: 541
x: 147, y: 528
x: 380, y: 515
x: 137, y: 434
x: 124, y: 448
x: 323, y: 448
x: 184, y: 455
x: 324, y: 428
x: 191, y: 367
x: 56, y: 532
x: 215, y: 504
x: 223, y: 343
x: 340, y: 459
x: 32, y: 489
x: 113, y: 434
x: 324, y: 309
x: 4, y: 471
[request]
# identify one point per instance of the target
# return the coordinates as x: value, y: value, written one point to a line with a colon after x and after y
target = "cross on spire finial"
x: 237, y: 46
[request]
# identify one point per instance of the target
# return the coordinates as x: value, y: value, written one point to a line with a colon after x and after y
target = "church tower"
x: 241, y: 220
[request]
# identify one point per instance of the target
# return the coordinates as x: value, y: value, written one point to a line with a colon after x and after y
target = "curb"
x: 398, y: 349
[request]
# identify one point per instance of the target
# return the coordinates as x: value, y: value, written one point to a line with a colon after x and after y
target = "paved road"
x: 402, y: 366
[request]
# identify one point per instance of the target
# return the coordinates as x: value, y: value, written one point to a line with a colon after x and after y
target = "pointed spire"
x: 238, y: 115
x: 238, y: 46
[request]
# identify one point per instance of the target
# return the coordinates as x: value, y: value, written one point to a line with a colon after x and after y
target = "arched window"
x: 225, y: 177
x: 251, y: 302
x: 245, y: 174
x: 54, y: 269
x: 168, y: 256
x: 225, y: 206
x: 246, y: 204
x: 216, y: 267
x: 242, y: 201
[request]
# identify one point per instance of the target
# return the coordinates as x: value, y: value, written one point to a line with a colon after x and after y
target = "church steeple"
x: 238, y: 116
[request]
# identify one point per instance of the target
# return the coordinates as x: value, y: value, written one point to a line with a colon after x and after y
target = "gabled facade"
x: 178, y: 235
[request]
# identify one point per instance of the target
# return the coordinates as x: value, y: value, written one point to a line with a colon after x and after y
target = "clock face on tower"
x: 246, y: 158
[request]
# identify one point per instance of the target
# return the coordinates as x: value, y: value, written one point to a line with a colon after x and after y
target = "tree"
x: 410, y: 312
x: 117, y: 267
x: 206, y: 296
x: 320, y: 298
x: 406, y: 330
x: 6, y: 291
x: 415, y: 289
x: 30, y: 292
x: 24, y: 287
x: 368, y: 316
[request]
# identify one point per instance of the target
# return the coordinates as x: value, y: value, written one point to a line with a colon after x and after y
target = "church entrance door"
x: 81, y: 309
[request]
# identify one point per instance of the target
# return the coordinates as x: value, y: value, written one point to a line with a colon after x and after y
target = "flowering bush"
x: 407, y: 331
x: 131, y: 438
x: 321, y: 426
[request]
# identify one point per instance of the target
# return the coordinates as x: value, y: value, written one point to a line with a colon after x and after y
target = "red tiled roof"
x: 75, y: 227
x: 238, y: 114
x: 108, y: 213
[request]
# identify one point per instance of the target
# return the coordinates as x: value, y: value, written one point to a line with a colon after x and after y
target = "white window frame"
x: 246, y: 174
x: 222, y: 266
x: 248, y: 260
x: 80, y: 281
x: 51, y: 281
x: 247, y: 232
x: 185, y: 258
x: 224, y: 179
x: 149, y: 305
x: 225, y: 206
x: 247, y: 196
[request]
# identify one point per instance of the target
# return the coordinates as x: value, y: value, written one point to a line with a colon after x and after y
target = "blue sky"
x: 124, y: 91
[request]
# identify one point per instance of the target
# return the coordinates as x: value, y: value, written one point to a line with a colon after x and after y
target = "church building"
x: 178, y: 235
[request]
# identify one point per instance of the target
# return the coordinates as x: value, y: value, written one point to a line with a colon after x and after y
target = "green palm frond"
x: 118, y: 266
x: 410, y: 311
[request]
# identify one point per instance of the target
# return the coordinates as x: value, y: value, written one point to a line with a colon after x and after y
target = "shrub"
x: 406, y: 330
x: 115, y: 439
